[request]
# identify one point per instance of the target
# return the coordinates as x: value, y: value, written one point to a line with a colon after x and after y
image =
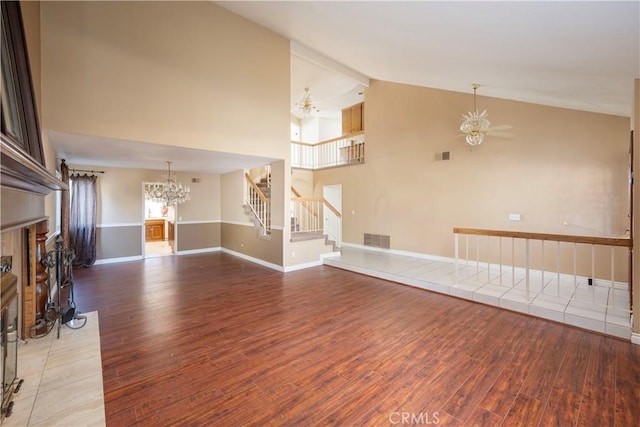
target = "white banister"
x: 577, y: 275
x: 344, y: 150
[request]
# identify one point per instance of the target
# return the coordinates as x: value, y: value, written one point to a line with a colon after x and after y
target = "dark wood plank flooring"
x: 214, y: 340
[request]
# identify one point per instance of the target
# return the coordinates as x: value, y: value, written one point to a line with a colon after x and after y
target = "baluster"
x: 488, y: 259
x: 500, y: 257
x: 526, y: 263
x: 455, y: 250
x: 543, y: 267
x: 558, y: 269
x: 613, y: 284
x: 575, y: 270
x: 593, y: 274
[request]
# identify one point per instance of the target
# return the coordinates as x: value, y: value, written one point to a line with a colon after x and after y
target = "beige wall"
x: 562, y: 166
x: 121, y: 209
x: 118, y: 242
x: 178, y: 73
x: 196, y: 236
x: 232, y: 193
x: 242, y: 239
x: 31, y: 22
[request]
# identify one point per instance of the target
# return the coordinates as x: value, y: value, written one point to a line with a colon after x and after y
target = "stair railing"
x: 591, y: 269
x: 315, y: 215
x: 344, y: 150
x: 259, y: 204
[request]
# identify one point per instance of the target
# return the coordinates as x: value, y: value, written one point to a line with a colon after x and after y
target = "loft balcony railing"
x: 341, y: 151
x: 595, y: 270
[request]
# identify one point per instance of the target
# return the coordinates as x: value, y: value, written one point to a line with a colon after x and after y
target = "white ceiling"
x: 108, y: 152
x: 572, y: 54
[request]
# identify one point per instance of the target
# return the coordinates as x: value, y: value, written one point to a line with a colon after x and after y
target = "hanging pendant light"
x: 306, y: 104
x: 475, y: 125
x: 169, y: 191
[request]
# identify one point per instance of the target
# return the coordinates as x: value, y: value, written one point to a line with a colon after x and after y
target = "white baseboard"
x: 199, y: 251
x: 254, y: 260
x: 635, y: 338
x: 120, y: 259
x: 302, y: 266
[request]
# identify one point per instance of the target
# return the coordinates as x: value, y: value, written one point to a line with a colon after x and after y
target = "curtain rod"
x: 84, y: 170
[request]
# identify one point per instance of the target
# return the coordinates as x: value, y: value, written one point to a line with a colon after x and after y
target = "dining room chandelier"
x: 475, y: 125
x: 169, y: 191
x: 306, y: 104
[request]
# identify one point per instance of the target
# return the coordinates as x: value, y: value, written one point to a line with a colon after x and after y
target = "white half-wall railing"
x: 344, y: 150
x: 578, y: 268
x: 315, y: 215
x: 259, y: 204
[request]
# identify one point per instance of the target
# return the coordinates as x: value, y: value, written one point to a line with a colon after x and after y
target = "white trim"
x: 635, y: 338
x: 206, y: 221
x: 323, y: 61
x: 254, y: 260
x: 199, y: 251
x: 317, y: 263
x: 244, y: 224
x: 297, y: 267
x: 123, y: 224
x: 277, y: 227
x: 399, y: 252
x: 115, y: 260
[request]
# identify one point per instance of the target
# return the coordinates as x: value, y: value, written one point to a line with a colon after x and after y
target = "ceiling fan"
x: 475, y: 125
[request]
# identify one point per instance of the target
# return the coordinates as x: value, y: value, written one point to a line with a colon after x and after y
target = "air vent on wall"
x: 195, y: 180
x: 377, y: 241
x: 445, y: 155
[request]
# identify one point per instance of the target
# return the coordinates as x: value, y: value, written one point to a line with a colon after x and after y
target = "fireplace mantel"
x: 21, y: 172
x: 22, y: 164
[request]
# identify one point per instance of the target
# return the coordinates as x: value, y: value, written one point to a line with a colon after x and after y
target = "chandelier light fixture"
x: 169, y: 191
x: 306, y: 104
x: 475, y: 125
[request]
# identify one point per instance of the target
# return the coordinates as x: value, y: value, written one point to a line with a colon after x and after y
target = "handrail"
x: 317, y: 199
x: 255, y: 187
x: 296, y: 192
x: 347, y: 136
x: 331, y: 208
x: 607, y: 241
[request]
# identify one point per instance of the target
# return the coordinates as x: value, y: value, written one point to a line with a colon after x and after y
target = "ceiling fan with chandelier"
x: 475, y: 125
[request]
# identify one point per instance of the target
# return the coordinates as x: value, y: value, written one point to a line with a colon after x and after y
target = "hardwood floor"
x: 214, y: 340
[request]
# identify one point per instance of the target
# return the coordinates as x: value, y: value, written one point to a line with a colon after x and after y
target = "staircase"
x: 307, y: 220
x: 258, y: 205
x: 313, y: 235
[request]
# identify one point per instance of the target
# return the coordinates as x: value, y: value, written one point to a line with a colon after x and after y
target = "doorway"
x: 332, y: 222
x: 159, y: 229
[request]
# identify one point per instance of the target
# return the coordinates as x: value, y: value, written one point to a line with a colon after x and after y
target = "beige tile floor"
x: 598, y: 308
x: 62, y: 379
x: 155, y: 249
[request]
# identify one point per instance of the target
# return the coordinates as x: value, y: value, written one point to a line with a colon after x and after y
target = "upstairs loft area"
x: 346, y: 149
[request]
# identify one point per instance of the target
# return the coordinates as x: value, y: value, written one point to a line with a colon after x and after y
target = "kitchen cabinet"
x: 154, y: 230
x: 353, y: 119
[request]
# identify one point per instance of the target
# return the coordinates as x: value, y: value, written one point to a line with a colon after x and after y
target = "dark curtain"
x: 64, y: 201
x: 82, y: 219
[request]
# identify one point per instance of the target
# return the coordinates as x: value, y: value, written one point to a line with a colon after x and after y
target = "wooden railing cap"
x: 569, y: 238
